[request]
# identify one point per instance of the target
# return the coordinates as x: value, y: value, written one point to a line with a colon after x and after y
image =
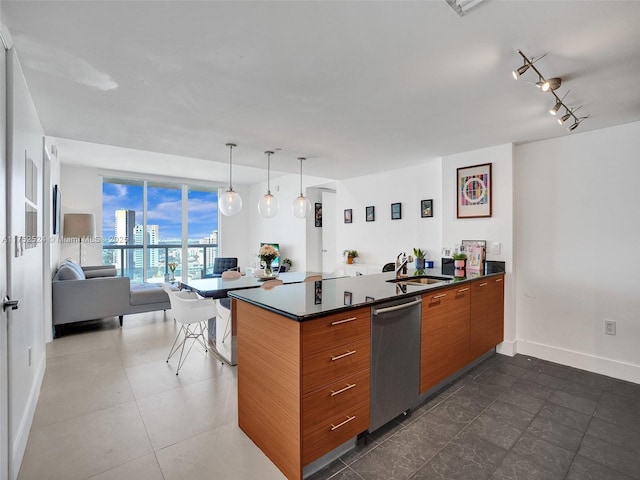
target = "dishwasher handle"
x: 402, y: 306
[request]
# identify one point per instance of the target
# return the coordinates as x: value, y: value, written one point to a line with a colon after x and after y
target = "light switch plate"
x: 495, y: 248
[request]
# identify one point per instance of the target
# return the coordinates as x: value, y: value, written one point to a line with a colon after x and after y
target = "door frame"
x: 5, y: 458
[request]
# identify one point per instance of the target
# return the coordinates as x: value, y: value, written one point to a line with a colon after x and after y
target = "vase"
x: 349, y: 260
x: 267, y: 268
x: 459, y: 266
x: 420, y: 262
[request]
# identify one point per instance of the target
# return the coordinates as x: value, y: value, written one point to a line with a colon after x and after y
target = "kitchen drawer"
x: 334, y: 330
x: 435, y: 309
x: 323, y: 404
x: 329, y: 366
x: 337, y: 430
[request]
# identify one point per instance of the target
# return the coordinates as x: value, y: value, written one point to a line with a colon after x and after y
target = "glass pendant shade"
x: 268, y: 206
x: 230, y: 202
x: 301, y: 207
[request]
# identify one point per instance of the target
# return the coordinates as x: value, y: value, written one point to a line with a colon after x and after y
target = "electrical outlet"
x: 610, y: 327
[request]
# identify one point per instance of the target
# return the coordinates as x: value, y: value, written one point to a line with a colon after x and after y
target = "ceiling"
x: 357, y: 87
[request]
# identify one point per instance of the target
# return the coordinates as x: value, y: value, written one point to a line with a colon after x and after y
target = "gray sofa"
x: 92, y: 292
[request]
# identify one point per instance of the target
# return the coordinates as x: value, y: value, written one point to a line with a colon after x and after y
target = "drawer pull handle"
x: 483, y: 284
x: 337, y: 392
x: 338, y: 322
x: 338, y: 357
x: 436, y: 297
x: 498, y: 279
x: 335, y: 427
x: 463, y: 290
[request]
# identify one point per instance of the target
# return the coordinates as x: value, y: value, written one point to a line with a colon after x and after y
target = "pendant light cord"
x: 230, y: 145
x: 268, y: 173
x: 301, y: 160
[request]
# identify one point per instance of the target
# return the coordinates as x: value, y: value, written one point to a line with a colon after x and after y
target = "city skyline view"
x: 164, y: 209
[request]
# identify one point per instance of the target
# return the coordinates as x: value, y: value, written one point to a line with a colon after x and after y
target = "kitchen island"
x: 304, y: 355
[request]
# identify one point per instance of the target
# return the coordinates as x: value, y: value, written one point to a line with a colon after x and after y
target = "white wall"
x: 497, y: 228
x: 578, y: 238
x: 379, y: 242
x: 293, y: 234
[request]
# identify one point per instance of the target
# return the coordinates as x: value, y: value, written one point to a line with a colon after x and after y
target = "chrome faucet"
x: 401, y: 265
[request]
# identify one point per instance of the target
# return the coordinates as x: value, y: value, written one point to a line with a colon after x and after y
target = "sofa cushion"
x: 146, y: 293
x: 70, y: 271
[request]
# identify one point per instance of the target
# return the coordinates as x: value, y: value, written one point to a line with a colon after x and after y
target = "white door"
x: 4, y: 371
x: 329, y: 224
x: 25, y: 335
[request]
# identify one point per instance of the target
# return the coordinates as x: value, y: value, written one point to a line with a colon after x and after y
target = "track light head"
x: 551, y: 84
x: 574, y: 126
x: 564, y: 118
x: 519, y: 71
x: 555, y: 108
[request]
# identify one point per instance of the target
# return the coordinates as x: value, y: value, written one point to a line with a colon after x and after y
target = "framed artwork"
x: 370, y: 214
x: 348, y: 298
x: 396, y: 211
x: 56, y: 210
x: 318, y: 214
x: 426, y: 208
x: 348, y: 216
x: 474, y: 191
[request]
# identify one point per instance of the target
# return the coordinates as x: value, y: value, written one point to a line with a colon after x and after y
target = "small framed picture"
x: 348, y: 216
x: 371, y: 214
x: 318, y: 214
x: 396, y: 211
x: 348, y: 298
x: 426, y: 208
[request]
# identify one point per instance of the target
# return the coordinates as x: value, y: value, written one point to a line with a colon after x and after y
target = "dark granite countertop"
x: 303, y: 301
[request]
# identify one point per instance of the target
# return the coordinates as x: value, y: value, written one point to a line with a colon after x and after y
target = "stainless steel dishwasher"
x: 395, y: 359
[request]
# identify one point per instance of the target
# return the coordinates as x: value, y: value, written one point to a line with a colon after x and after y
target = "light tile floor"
x: 111, y: 408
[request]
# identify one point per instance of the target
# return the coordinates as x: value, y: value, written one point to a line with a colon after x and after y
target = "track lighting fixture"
x: 549, y: 85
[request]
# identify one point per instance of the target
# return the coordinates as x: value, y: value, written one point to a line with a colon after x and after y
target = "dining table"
x: 222, y: 331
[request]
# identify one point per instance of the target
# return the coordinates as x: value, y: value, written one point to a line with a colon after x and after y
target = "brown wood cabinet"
x: 303, y: 387
x: 487, y: 315
x: 445, y: 334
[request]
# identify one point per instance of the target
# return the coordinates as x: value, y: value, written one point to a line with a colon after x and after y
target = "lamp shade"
x: 79, y: 225
x: 230, y: 203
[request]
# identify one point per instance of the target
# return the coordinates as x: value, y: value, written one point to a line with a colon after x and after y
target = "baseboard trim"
x: 507, y: 348
x: 22, y: 435
x: 584, y: 361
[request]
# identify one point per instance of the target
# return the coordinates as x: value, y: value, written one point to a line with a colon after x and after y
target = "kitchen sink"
x: 419, y: 280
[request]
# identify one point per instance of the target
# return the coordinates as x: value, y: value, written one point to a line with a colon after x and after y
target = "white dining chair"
x: 231, y: 275
x: 313, y: 278
x: 269, y: 284
x: 192, y: 312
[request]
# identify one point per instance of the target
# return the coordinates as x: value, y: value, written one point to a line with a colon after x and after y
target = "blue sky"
x: 164, y: 208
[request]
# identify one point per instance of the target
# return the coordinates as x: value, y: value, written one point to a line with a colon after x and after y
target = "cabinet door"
x: 434, y: 348
x: 478, y: 334
x: 495, y: 312
x: 458, y: 329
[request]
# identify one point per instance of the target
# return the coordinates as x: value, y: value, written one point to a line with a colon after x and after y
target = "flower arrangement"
x: 268, y: 253
x: 172, y: 266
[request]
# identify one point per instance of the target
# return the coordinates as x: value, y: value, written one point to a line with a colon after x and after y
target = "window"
x: 146, y: 229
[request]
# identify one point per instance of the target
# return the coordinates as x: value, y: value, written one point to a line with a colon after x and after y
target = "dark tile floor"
x: 508, y: 418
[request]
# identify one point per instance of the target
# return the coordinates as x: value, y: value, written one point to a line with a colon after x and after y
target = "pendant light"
x: 230, y: 202
x: 268, y: 205
x: 301, y: 206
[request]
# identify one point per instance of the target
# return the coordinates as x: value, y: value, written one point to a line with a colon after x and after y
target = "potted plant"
x: 459, y: 260
x: 288, y: 263
x: 420, y: 258
x: 350, y: 254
